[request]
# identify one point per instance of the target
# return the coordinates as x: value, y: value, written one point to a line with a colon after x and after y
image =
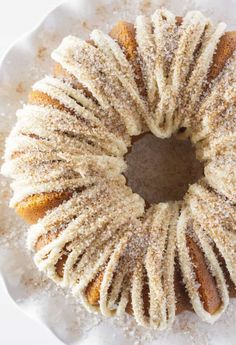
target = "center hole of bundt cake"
x: 161, y: 169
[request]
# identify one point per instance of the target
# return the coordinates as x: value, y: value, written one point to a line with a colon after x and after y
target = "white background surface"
x: 16, y: 18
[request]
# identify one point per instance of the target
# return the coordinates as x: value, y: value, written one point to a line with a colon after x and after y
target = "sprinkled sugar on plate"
x: 28, y: 288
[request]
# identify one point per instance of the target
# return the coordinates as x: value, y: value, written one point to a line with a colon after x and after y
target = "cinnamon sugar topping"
x: 75, y: 139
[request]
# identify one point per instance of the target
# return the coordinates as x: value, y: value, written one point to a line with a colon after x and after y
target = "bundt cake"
x: 166, y: 75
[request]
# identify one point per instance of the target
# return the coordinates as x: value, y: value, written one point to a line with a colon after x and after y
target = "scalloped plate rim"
x: 16, y: 43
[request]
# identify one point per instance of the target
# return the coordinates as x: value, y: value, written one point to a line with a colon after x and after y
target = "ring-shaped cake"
x: 166, y: 75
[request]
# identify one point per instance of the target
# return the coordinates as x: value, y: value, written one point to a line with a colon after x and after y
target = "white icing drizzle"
x: 217, y: 216
x: 147, y: 51
x: 75, y: 101
x: 120, y: 66
x: 73, y: 55
x: 166, y: 38
x: 160, y: 257
x: 71, y: 141
x: 168, y: 53
x: 221, y: 175
x: 220, y: 101
x: 34, y: 116
x: 187, y: 267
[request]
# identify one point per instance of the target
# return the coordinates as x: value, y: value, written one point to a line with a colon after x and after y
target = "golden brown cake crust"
x: 35, y: 206
x: 124, y: 33
x: 225, y: 49
x: 40, y: 98
x: 93, y: 290
x: 207, y: 289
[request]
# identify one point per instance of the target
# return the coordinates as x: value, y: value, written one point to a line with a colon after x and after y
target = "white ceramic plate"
x: 26, y: 61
